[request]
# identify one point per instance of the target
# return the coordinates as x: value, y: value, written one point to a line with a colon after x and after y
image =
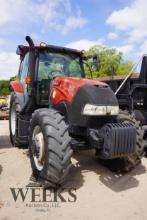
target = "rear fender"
x: 17, y: 88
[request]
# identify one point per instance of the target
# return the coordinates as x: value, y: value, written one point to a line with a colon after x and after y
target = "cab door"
x: 23, y: 73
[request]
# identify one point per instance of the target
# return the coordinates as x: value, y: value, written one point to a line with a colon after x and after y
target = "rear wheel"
x: 49, y: 145
x: 13, y: 121
x: 132, y: 161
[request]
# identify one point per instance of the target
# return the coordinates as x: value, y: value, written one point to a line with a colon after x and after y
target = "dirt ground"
x: 100, y: 193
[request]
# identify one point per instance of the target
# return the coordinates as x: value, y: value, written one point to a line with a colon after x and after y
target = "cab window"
x: 58, y: 64
x: 24, y: 68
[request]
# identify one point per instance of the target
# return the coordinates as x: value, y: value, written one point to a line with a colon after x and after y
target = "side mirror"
x: 96, y: 62
x: 93, y: 63
x: 21, y: 50
x: 96, y: 59
x: 85, y: 58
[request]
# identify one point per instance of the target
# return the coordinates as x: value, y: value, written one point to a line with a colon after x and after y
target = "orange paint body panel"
x: 64, y: 88
x: 17, y: 86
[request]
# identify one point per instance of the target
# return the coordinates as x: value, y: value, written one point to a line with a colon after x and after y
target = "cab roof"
x: 22, y: 50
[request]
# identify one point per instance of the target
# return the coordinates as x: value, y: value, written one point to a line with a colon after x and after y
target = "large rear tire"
x: 132, y: 161
x: 13, y: 121
x: 49, y: 145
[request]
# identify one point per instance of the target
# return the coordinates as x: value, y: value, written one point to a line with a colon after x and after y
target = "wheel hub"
x: 13, y: 119
x: 39, y: 148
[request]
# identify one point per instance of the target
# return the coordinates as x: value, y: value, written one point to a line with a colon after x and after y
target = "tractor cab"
x: 53, y: 63
x: 41, y: 64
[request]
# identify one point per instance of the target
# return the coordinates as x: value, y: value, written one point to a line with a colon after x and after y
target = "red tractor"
x: 54, y: 108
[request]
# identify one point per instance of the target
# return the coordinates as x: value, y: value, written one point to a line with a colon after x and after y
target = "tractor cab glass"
x: 52, y: 64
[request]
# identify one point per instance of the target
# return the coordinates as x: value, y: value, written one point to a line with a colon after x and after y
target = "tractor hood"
x: 65, y: 88
x: 78, y: 81
x: 84, y: 101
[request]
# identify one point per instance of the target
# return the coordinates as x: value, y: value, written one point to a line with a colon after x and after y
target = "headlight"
x: 100, y: 110
x: 112, y: 110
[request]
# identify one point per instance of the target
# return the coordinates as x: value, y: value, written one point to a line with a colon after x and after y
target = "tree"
x: 13, y: 78
x: 4, y: 86
x: 111, y: 62
x: 124, y: 67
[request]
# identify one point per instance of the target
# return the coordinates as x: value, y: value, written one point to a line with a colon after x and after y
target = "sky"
x: 79, y: 24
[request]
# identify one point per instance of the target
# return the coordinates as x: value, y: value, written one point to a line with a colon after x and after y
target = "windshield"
x: 58, y: 64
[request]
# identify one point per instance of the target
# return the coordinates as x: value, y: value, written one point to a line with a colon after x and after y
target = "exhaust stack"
x: 30, y: 41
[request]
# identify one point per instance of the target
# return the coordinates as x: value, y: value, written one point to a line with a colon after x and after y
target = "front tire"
x: 49, y: 145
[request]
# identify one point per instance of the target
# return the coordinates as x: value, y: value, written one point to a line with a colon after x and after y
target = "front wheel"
x: 49, y: 145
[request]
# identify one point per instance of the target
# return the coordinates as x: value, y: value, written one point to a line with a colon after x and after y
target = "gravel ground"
x: 100, y: 194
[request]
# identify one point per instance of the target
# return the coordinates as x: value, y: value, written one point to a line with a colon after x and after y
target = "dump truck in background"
x: 131, y: 94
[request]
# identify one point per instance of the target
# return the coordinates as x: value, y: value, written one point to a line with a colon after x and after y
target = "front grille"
x: 119, y: 140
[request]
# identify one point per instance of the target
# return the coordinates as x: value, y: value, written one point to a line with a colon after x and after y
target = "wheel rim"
x: 13, y: 119
x: 39, y: 148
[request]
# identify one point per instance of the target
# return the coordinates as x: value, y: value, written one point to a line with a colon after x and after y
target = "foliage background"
x: 111, y: 63
x: 4, y: 86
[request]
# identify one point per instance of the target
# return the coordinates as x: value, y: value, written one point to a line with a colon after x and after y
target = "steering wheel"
x: 58, y: 73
